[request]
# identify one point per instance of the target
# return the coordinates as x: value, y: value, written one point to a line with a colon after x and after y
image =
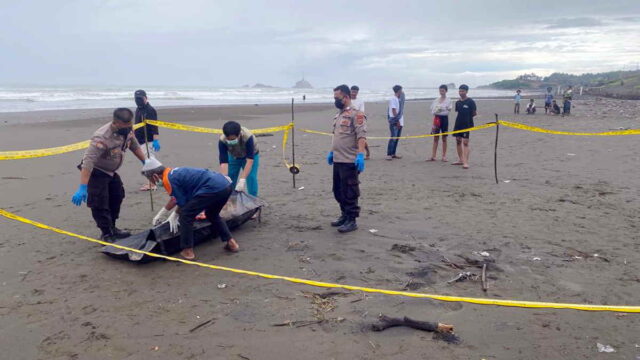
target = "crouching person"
x: 193, y: 191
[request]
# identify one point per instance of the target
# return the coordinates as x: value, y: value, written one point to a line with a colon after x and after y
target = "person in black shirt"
x: 144, y: 110
x: 466, y: 109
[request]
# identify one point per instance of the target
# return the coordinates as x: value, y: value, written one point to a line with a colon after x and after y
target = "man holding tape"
x: 100, y: 185
x: 347, y: 158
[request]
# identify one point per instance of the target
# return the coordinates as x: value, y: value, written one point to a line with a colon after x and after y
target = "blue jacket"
x: 187, y: 183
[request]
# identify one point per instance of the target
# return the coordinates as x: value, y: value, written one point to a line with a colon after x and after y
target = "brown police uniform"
x: 103, y: 158
x: 349, y: 126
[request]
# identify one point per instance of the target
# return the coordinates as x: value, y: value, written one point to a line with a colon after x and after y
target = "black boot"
x: 341, y: 220
x: 108, y: 238
x: 348, y: 226
x: 119, y: 234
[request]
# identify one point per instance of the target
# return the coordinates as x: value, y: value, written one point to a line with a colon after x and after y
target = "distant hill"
x: 302, y: 84
x: 620, y: 84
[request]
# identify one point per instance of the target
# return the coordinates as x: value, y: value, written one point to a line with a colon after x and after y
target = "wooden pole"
x: 146, y: 143
x: 495, y: 151
x: 293, y: 144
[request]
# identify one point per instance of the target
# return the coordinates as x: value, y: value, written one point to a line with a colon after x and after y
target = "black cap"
x: 140, y: 93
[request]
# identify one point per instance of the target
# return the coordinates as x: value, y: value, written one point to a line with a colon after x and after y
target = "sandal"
x: 457, y: 163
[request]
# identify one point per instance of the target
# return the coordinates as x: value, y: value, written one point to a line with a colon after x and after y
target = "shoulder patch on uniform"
x: 99, y: 144
x: 360, y: 118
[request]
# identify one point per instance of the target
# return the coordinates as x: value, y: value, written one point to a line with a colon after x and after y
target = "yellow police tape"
x: 547, y: 131
x: 479, y: 301
x: 26, y: 154
x: 479, y: 127
x: 178, y: 126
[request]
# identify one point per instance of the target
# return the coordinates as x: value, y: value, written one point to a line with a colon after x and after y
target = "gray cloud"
x: 578, y: 22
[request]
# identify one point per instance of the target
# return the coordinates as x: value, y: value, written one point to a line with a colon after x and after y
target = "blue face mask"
x: 232, y: 142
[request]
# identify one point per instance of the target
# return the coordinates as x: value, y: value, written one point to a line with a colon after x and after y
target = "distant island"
x: 302, y: 84
x: 616, y: 84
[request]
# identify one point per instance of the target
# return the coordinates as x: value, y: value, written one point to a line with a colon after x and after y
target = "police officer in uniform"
x: 347, y: 157
x: 144, y: 110
x: 100, y: 185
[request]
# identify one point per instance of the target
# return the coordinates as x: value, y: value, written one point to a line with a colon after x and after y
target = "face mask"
x: 232, y: 142
x: 124, y: 131
x: 159, y: 183
x: 339, y: 104
x: 139, y: 101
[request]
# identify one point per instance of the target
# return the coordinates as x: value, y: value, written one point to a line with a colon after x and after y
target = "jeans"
x: 393, y: 143
x: 212, y: 204
x: 566, y: 107
x: 235, y: 165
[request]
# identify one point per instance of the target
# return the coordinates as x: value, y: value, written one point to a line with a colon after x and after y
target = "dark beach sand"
x: 61, y: 298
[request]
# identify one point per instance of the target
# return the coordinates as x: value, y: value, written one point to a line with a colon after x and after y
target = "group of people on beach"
x: 550, y: 104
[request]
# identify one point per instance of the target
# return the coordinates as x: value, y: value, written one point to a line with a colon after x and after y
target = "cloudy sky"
x: 372, y: 43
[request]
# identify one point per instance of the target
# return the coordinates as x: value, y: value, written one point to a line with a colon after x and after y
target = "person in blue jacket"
x: 193, y: 191
x: 238, y: 150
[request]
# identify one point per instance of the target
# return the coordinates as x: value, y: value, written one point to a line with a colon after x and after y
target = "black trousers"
x: 211, y: 204
x: 104, y: 196
x: 346, y: 188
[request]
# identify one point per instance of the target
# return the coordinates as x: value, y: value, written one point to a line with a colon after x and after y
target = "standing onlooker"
x: 548, y: 99
x: 567, y: 96
x: 395, y: 117
x: 347, y: 158
x: 517, y: 98
x: 440, y: 109
x: 358, y: 105
x: 466, y: 109
x: 144, y: 111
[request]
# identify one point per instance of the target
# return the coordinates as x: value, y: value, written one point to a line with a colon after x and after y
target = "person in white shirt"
x: 358, y: 105
x: 440, y: 109
x: 395, y: 117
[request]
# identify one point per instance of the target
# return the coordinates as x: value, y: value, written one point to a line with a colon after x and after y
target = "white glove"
x: 174, y: 222
x: 157, y: 220
x: 241, y: 185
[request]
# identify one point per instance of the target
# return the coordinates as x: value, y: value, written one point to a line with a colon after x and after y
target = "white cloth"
x: 394, y: 103
x: 357, y: 104
x: 441, y: 107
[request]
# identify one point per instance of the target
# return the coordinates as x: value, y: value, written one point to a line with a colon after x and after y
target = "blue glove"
x: 330, y: 158
x: 156, y: 145
x: 80, y: 196
x: 360, y: 162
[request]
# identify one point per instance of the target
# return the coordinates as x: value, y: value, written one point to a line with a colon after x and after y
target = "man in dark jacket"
x: 149, y: 139
x: 193, y: 191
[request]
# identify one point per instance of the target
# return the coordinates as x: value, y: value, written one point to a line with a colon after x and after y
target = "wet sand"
x: 566, y: 199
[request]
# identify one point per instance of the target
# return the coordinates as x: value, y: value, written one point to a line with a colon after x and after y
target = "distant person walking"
x: 517, y: 98
x: 358, y: 105
x: 440, y: 109
x: 567, y: 96
x: 466, y: 109
x: 548, y: 99
x: 144, y: 111
x: 395, y: 117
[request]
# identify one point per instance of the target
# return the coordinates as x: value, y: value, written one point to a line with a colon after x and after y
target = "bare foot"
x: 188, y: 254
x: 465, y: 166
x: 444, y: 159
x: 457, y: 163
x: 232, y: 246
x: 201, y: 216
x: 432, y: 159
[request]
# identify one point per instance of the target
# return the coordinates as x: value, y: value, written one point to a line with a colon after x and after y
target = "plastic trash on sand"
x: 605, y: 348
x: 160, y: 240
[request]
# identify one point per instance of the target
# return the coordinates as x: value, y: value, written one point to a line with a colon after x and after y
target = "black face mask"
x: 339, y: 104
x: 124, y: 131
x: 139, y: 101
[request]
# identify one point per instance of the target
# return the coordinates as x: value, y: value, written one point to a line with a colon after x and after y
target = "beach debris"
x: 571, y: 154
x: 301, y: 188
x: 481, y: 253
x: 462, y: 276
x: 507, y: 181
x: 441, y: 331
x: 155, y: 348
x: 201, y: 325
x: 535, y: 258
x: 451, y: 264
x: 222, y: 286
x: 605, y: 348
x: 403, y: 248
x: 373, y: 231
x: 13, y: 178
x: 323, y: 303
x: 297, y: 246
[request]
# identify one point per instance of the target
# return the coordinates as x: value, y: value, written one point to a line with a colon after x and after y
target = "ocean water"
x: 19, y: 99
